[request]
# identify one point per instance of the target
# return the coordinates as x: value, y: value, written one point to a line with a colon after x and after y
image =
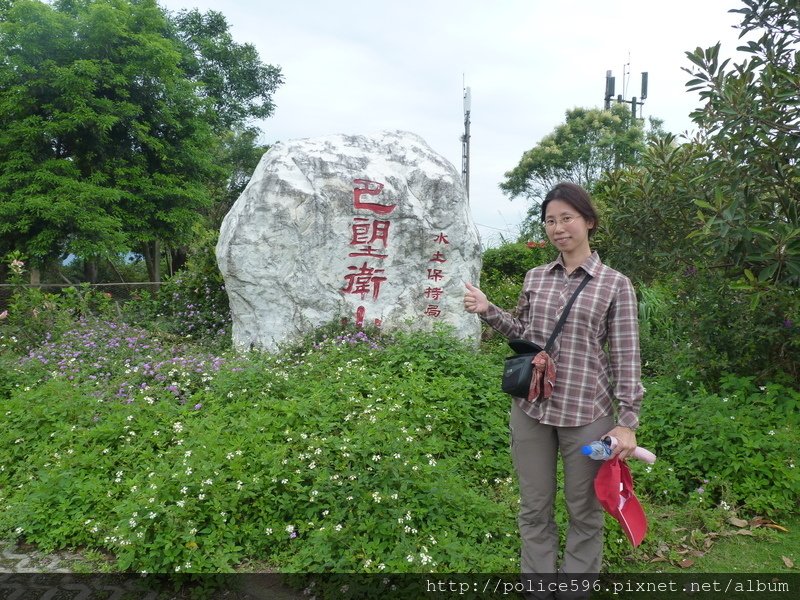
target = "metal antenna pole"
x: 465, y: 139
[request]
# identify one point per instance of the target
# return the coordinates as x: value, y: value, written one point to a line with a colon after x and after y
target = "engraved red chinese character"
x: 435, y: 274
x: 441, y: 239
x: 371, y: 188
x: 438, y: 257
x: 434, y: 293
x: 363, y: 280
x: 366, y: 232
x: 433, y: 310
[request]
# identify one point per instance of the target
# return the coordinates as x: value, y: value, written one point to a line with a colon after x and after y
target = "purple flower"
x: 788, y: 323
x: 198, y: 406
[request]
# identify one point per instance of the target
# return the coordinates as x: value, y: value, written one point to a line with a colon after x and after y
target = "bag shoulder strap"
x: 564, y: 314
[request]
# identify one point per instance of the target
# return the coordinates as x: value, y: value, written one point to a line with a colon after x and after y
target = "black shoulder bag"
x: 518, y: 369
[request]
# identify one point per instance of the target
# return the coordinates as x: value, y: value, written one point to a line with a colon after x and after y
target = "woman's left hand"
x: 626, y: 441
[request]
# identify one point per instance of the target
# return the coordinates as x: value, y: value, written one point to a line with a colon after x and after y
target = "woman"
x: 597, y: 390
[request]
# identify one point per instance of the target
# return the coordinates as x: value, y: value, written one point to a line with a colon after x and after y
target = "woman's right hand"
x: 475, y: 301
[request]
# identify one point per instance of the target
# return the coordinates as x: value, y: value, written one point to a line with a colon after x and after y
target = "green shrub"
x: 504, y: 268
x: 35, y: 316
x: 343, y: 457
x: 193, y: 302
x: 703, y: 321
x: 736, y: 447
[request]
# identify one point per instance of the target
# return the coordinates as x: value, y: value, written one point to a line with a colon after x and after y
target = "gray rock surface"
x: 369, y: 228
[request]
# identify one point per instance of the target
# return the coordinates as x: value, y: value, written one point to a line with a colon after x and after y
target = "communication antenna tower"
x: 465, y: 139
x: 620, y: 99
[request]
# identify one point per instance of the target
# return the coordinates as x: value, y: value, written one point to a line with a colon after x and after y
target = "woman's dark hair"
x: 577, y: 197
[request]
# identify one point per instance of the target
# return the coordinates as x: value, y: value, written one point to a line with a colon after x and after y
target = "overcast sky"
x: 356, y: 67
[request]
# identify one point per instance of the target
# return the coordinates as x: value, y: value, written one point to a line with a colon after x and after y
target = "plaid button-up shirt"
x: 596, y: 354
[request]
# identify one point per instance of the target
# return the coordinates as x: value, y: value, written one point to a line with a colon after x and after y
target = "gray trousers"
x: 535, y: 448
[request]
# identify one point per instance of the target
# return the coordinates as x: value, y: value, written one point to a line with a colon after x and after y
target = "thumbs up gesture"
x: 475, y: 300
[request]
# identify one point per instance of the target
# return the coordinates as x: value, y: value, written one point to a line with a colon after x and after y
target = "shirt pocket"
x: 542, y: 317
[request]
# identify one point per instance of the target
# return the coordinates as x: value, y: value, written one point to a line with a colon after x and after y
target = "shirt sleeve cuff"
x: 628, y: 419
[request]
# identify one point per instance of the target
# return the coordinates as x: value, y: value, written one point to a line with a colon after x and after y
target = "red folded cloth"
x: 544, y: 377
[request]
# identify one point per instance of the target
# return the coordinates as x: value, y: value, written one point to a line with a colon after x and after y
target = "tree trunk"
x: 152, y: 258
x: 36, y: 276
x: 179, y: 257
x: 90, y: 269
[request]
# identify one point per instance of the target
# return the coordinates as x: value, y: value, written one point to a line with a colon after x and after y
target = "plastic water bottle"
x: 597, y: 450
x: 601, y: 450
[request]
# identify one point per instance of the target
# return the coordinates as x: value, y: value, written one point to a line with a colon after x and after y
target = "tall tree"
x: 751, y: 120
x: 230, y: 75
x: 108, y: 129
x: 103, y: 137
x: 589, y: 143
x: 239, y: 89
x: 53, y: 124
x: 648, y: 211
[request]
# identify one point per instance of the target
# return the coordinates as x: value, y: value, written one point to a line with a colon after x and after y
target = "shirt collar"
x: 591, y: 265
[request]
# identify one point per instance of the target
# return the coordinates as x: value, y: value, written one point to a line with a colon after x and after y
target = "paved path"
x: 27, y: 574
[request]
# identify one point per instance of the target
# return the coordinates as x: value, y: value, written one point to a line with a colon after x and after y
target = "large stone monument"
x: 375, y: 229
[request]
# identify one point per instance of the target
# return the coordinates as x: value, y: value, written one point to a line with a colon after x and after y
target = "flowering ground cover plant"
x: 341, y: 456
x: 349, y: 452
